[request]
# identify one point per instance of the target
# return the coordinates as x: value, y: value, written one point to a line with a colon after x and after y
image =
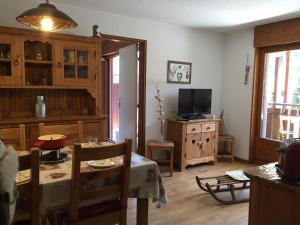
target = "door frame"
x: 142, y: 46
x: 257, y: 92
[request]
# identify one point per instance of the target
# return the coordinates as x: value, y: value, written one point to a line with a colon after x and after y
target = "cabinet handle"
x: 207, y: 128
x: 58, y: 65
x: 200, y: 144
x: 193, y: 129
x: 16, y: 62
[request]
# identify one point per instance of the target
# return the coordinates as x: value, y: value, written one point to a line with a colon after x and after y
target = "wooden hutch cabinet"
x: 196, y: 141
x: 65, y: 69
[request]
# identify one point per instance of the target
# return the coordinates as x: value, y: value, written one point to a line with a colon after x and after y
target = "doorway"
x: 277, y: 108
x: 117, y: 54
x: 114, y: 124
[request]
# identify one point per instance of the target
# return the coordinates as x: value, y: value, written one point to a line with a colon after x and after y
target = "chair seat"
x: 103, y: 207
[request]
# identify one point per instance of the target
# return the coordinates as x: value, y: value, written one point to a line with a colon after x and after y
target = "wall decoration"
x: 179, y: 72
x: 247, y: 69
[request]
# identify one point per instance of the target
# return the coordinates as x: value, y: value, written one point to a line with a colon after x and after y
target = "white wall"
x: 165, y: 42
x: 236, y: 97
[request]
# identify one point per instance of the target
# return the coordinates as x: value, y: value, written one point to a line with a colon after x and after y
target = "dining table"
x: 145, y: 183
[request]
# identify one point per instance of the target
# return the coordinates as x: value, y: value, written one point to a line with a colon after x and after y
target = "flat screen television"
x: 194, y: 103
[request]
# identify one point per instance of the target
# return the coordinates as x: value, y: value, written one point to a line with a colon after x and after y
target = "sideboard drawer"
x: 208, y: 127
x: 193, y: 128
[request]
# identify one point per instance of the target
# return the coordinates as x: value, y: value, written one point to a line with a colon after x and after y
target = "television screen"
x: 193, y: 102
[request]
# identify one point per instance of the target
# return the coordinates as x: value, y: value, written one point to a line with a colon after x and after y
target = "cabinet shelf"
x: 5, y: 60
x: 49, y: 87
x: 69, y: 64
x: 73, y: 64
x: 38, y: 61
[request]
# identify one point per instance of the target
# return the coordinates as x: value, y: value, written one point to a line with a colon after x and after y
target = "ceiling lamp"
x: 46, y: 17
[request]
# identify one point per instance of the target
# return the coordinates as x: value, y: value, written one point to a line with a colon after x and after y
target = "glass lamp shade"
x: 46, y: 17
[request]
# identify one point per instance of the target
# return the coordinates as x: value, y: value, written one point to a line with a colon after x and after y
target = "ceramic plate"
x: 237, y: 175
x: 105, y: 163
x: 23, y: 176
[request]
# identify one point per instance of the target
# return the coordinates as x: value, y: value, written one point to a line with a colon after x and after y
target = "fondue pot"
x: 288, y: 166
x: 51, y: 142
x: 54, y: 143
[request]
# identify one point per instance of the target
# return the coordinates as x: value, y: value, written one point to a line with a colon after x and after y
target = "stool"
x: 228, y: 152
x: 162, y: 145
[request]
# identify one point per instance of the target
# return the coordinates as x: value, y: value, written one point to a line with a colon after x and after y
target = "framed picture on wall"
x: 179, y: 72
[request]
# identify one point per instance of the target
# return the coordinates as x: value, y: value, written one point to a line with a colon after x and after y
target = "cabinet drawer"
x: 208, y: 127
x: 193, y: 128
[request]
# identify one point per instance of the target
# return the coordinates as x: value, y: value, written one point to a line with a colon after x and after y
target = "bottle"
x: 40, y: 107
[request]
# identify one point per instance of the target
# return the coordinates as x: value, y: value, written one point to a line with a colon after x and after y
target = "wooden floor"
x: 188, y: 205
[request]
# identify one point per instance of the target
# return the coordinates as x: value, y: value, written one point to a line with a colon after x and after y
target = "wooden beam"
x: 277, y: 33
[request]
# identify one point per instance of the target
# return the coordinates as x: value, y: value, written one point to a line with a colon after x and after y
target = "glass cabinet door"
x: 76, y: 63
x: 77, y: 67
x: 10, y: 60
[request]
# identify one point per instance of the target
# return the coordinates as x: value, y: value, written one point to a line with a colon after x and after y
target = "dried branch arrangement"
x: 160, y: 111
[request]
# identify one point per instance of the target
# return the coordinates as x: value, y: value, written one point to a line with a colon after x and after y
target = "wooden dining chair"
x: 113, y: 211
x: 14, y: 136
x: 74, y: 132
x: 27, y: 209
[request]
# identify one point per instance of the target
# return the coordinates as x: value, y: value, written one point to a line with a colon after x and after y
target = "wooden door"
x: 75, y: 64
x: 276, y: 104
x: 128, y: 94
x: 10, y: 60
x: 193, y: 146
x: 207, y: 141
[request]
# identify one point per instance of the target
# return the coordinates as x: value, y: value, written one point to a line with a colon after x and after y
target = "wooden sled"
x: 225, y: 189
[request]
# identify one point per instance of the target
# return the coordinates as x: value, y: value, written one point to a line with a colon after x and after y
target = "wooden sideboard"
x: 65, y: 69
x: 272, y: 201
x: 196, y: 141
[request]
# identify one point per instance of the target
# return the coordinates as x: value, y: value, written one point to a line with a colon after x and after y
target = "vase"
x: 40, y: 107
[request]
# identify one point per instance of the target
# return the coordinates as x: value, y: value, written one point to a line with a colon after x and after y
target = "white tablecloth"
x: 145, y: 181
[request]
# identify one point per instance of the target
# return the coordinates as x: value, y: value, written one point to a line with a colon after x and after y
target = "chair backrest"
x: 74, y: 132
x: 116, y: 190
x: 30, y: 190
x: 14, y: 136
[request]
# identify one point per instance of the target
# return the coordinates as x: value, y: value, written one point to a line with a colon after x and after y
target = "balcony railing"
x: 283, y: 121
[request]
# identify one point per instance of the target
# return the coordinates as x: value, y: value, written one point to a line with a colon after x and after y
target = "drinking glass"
x: 92, y: 141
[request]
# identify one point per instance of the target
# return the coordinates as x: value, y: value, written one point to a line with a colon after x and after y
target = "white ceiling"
x: 220, y: 15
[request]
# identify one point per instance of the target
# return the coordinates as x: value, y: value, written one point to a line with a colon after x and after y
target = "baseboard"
x: 242, y: 160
